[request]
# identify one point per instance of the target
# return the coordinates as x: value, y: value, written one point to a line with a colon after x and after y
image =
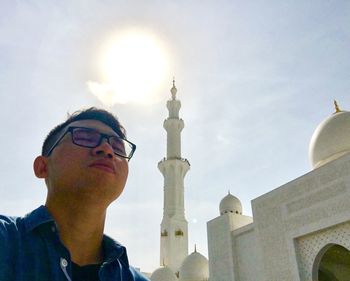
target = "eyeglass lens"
x: 92, y: 138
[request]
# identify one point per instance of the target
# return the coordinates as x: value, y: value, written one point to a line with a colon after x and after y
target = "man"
x: 84, y: 163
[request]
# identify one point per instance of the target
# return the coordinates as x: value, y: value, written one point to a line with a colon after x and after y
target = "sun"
x: 133, y: 64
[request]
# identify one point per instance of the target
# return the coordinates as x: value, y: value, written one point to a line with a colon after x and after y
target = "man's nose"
x: 104, y: 148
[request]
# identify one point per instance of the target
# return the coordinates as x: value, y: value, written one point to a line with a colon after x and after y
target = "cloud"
x: 223, y: 140
x: 106, y: 93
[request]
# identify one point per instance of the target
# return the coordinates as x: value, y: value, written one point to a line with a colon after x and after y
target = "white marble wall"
x: 222, y: 258
x: 248, y: 254
x: 311, y: 203
x: 291, y: 225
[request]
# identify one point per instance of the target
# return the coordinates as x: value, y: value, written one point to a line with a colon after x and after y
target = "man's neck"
x: 80, y: 230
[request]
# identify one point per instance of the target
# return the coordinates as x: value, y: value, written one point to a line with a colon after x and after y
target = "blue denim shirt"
x: 30, y: 250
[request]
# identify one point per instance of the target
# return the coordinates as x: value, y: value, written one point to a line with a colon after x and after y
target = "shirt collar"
x: 36, y: 218
x: 40, y: 216
x: 113, y: 250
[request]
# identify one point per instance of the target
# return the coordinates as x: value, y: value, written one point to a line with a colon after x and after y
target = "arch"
x: 332, y: 263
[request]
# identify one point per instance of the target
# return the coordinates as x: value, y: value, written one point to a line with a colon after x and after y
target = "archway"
x: 332, y: 264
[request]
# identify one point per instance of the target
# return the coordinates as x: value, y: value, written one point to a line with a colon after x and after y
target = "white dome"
x: 163, y: 273
x: 331, y: 139
x: 194, y: 268
x: 230, y: 204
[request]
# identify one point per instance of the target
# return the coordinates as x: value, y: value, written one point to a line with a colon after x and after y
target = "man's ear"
x: 40, y: 167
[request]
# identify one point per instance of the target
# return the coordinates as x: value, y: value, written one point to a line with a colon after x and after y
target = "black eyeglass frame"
x: 102, y: 136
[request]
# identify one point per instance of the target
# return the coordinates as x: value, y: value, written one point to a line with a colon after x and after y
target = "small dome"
x: 331, y: 139
x: 194, y: 268
x: 230, y: 204
x: 163, y: 273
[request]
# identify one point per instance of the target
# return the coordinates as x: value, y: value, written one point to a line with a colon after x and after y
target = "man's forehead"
x: 93, y: 124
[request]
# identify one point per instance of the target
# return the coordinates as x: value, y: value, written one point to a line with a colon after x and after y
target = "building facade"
x: 299, y: 231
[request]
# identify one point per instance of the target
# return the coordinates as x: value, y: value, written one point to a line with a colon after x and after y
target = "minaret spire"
x: 173, y: 125
x: 174, y: 227
x: 173, y: 90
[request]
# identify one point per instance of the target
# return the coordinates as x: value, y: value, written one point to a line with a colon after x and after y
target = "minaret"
x: 174, y: 233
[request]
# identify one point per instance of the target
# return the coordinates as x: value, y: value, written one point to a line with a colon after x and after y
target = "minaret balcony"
x: 171, y: 159
x: 173, y: 124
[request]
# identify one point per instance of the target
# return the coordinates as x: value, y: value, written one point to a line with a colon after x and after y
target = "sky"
x: 255, y: 79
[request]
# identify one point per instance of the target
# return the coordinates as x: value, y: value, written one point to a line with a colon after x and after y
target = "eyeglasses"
x: 87, y: 137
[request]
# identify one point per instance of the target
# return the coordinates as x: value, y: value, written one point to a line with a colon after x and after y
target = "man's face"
x: 86, y: 173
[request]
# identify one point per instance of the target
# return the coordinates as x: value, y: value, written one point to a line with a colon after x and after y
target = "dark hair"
x: 91, y: 113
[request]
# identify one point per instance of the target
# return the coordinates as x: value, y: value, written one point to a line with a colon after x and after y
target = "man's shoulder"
x: 10, y: 232
x: 9, y: 224
x: 5, y: 220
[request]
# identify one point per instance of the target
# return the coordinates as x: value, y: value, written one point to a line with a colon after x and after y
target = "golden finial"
x: 229, y: 193
x: 337, y: 109
x: 195, y: 248
x: 163, y: 263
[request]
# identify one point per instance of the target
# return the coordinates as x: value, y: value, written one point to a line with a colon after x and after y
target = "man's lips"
x: 103, y: 165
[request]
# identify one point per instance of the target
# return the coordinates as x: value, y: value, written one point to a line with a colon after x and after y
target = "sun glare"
x: 133, y: 65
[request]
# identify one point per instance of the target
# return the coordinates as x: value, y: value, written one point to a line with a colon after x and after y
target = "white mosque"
x: 299, y: 231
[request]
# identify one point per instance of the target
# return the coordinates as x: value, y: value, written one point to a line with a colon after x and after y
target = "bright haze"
x: 255, y: 78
